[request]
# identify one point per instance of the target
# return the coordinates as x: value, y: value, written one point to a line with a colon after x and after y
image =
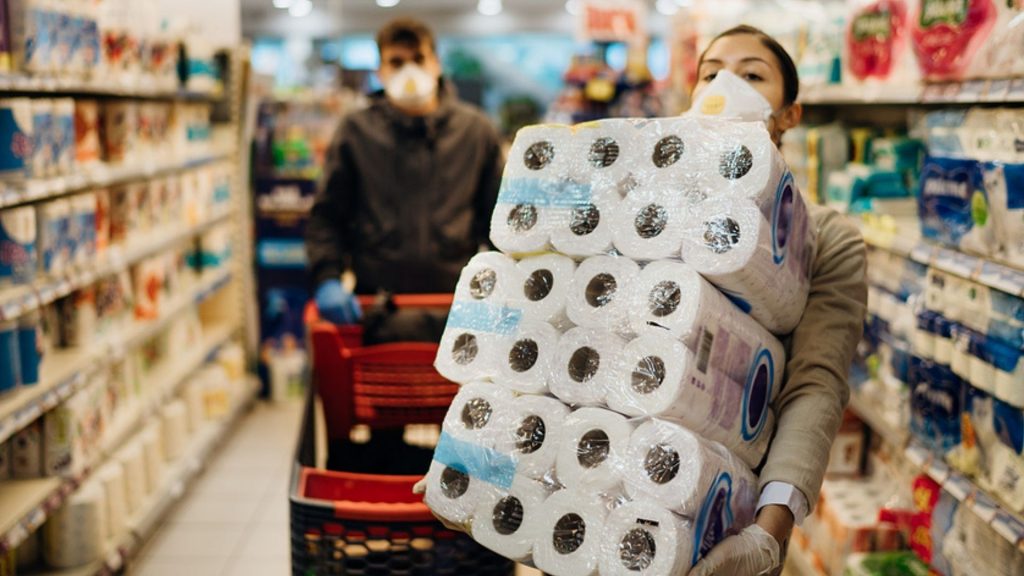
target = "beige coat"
x: 820, y: 351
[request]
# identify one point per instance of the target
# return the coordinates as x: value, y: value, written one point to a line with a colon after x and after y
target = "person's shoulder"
x: 473, y: 117
x: 831, y: 225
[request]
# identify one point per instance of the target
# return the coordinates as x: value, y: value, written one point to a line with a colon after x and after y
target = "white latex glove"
x: 420, y: 487
x: 752, y: 552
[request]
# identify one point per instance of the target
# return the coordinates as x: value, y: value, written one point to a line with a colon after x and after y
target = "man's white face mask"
x: 729, y: 96
x: 412, y: 86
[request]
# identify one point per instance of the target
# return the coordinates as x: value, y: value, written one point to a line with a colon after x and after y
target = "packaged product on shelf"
x: 88, y: 150
x: 29, y: 553
x: 876, y: 42
x: 947, y: 35
x: 221, y: 186
x: 884, y: 563
x: 1004, y: 183
x: 18, y: 249
x: 113, y: 304
x: 76, y: 318
x: 954, y: 207
x: 153, y: 456
x: 5, y: 40
x: 117, y: 41
x: 102, y: 220
x: 10, y: 367
x: 27, y: 452
x: 140, y: 203
x: 936, y: 512
x: 83, y: 209
x: 16, y: 138
x: 148, y: 280
x: 112, y: 478
x: 30, y: 347
x: 192, y: 393
x: 44, y: 160
x: 63, y: 142
x: 232, y: 358
x: 997, y: 57
x: 174, y: 418
x: 73, y: 536
x: 216, y: 392
x: 55, y: 246
x: 936, y: 404
x: 201, y: 66
x: 124, y: 217
x: 120, y: 125
x: 33, y: 30
x: 5, y: 460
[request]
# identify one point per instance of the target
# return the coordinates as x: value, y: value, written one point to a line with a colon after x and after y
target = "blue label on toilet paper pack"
x: 952, y: 203
x: 476, y: 461
x: 544, y: 193
x: 15, y: 141
x: 715, y: 518
x: 782, y: 217
x: 485, y: 317
x: 757, y: 394
x: 1008, y: 422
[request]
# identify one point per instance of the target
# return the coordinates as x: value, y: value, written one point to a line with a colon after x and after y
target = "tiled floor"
x: 234, y: 519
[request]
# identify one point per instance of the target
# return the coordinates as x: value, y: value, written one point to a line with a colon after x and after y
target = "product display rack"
x: 26, y: 504
x: 999, y: 91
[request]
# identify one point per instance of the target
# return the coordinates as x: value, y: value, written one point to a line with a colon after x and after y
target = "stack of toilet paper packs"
x: 617, y: 357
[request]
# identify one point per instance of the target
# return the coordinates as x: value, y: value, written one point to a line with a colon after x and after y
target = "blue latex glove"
x: 336, y: 304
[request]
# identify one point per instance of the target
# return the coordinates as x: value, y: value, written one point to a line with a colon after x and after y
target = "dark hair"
x: 790, y: 77
x: 407, y: 32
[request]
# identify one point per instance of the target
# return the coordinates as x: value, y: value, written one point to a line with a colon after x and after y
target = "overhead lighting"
x: 667, y: 7
x: 283, y: 4
x: 300, y: 8
x: 489, y: 7
x: 574, y: 7
x: 388, y: 3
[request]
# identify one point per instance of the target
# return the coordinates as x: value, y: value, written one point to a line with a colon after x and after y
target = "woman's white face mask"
x: 729, y: 96
x: 412, y: 86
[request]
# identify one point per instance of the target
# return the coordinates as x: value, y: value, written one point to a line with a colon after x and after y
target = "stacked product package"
x: 618, y: 358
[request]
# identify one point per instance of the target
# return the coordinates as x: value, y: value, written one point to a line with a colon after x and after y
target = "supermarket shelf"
x: 66, y: 371
x: 21, y: 513
x: 50, y: 85
x: 798, y: 562
x: 1007, y: 524
x: 21, y: 299
x: 870, y: 413
x: 35, y: 190
x: 1008, y: 91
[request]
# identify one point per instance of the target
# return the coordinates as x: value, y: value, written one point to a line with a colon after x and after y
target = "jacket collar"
x: 426, y: 126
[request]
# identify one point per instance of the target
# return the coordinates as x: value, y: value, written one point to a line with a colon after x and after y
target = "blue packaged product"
x: 30, y: 351
x: 63, y: 141
x: 1007, y: 306
x: 54, y: 227
x: 17, y: 245
x: 953, y: 206
x: 935, y: 405
x: 15, y: 137
x: 10, y: 375
x: 1009, y: 425
x: 83, y: 228
x: 43, y: 161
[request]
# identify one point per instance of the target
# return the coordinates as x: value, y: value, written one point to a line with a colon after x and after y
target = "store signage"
x: 612, y: 20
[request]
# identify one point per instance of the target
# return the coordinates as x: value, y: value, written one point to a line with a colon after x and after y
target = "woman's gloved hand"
x: 336, y: 304
x: 420, y: 487
x: 752, y: 552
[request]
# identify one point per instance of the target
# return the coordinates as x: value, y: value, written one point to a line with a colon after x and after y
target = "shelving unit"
x: 29, y: 84
x: 999, y: 91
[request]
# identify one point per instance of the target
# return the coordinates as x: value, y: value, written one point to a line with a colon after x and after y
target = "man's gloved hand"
x: 752, y: 552
x: 336, y: 304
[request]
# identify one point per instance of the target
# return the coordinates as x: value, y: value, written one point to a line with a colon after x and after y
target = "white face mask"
x: 411, y: 86
x: 729, y: 96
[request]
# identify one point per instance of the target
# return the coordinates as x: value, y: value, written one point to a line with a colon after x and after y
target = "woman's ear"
x: 789, y: 118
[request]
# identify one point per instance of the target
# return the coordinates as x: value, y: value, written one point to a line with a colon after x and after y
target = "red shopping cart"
x: 371, y: 524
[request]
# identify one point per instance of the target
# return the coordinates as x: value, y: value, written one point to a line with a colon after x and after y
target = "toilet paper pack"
x: 570, y: 533
x: 473, y: 338
x: 642, y: 537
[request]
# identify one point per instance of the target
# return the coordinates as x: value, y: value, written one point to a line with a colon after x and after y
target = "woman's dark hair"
x: 790, y: 78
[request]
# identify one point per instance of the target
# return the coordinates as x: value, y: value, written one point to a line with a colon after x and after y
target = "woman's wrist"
x: 776, y: 520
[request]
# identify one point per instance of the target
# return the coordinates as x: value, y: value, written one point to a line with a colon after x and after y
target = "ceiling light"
x: 489, y: 7
x: 300, y: 8
x: 667, y: 7
x: 388, y: 3
x: 574, y: 7
x: 283, y: 4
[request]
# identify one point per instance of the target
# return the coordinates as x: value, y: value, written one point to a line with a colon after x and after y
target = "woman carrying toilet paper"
x: 747, y: 74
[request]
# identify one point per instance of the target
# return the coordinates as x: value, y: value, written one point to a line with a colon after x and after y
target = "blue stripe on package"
x: 15, y: 136
x: 476, y: 461
x: 485, y: 317
x: 10, y: 375
x: 545, y: 193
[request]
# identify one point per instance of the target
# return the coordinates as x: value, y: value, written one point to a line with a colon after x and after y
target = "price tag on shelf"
x: 919, y: 456
x: 984, y: 506
x: 959, y: 486
x: 1015, y: 93
x: 932, y: 93
x: 972, y: 91
x: 938, y: 470
x: 922, y: 253
x: 1008, y: 527
x: 997, y: 90
x: 1002, y: 278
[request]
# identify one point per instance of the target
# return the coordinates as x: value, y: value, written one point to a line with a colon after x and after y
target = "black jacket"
x: 405, y: 201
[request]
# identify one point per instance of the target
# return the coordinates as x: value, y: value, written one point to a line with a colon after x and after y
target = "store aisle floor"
x: 234, y: 519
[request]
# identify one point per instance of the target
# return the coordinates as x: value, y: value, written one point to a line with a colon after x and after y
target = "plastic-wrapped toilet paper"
x: 474, y: 337
x: 570, y: 533
x: 612, y: 151
x: 601, y: 291
x: 153, y: 456
x: 761, y: 264
x: 644, y: 538
x: 453, y: 494
x: 111, y: 476
x: 542, y: 152
x: 648, y: 223
x: 740, y: 160
x: 544, y: 288
x: 592, y: 454
x: 192, y: 393
x: 661, y: 377
x: 479, y: 413
x: 490, y: 277
x: 1008, y: 371
x: 522, y: 228
x: 503, y: 519
x: 586, y: 230
x: 134, y: 463
x: 174, y: 419
x: 74, y: 534
x: 588, y: 363
x: 526, y: 361
x: 686, y: 473
x: 535, y: 435
x: 669, y: 146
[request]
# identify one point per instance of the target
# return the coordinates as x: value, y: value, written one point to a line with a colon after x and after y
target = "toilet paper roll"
x: 543, y: 152
x: 611, y: 151
x: 669, y: 152
x: 153, y: 457
x: 599, y: 295
x: 593, y: 450
x: 649, y: 223
x: 502, y: 519
x: 681, y: 471
x: 660, y: 377
x: 586, y: 366
x: 527, y: 361
x: 644, y: 538
x: 586, y: 230
x: 762, y: 265
x: 453, y: 494
x: 523, y: 227
x: 570, y: 531
x: 474, y: 337
x: 74, y: 534
x: 112, y: 479
x: 535, y: 435
x: 134, y: 464
x: 480, y: 414
x: 739, y: 160
x: 543, y: 289
x: 489, y: 277
x: 174, y: 418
